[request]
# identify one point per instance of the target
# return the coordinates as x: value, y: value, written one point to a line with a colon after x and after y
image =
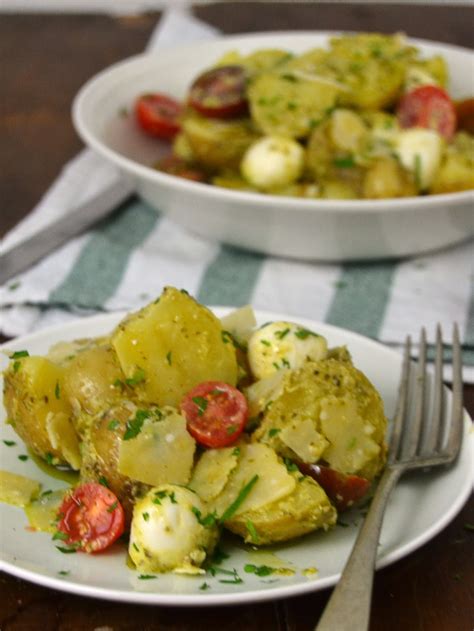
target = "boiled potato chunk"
x: 42, y: 513
x: 456, y: 172
x: 387, y: 178
x: 212, y: 472
x: 273, y: 480
x: 172, y: 345
x: 103, y: 434
x: 305, y: 509
x: 371, y: 65
x: 284, y: 104
x: 33, y: 394
x: 93, y: 379
x: 17, y: 490
x: 162, y: 452
x: 342, y: 405
x: 217, y: 143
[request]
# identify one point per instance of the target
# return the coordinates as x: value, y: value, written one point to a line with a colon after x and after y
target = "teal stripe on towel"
x: 361, y: 299
x: 100, y: 266
x: 231, y: 278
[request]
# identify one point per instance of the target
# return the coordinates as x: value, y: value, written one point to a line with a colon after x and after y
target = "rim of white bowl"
x: 405, y: 204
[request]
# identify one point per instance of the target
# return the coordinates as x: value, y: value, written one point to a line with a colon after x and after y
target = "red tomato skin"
x: 342, y: 489
x: 216, y: 413
x: 430, y: 107
x: 92, y: 518
x: 158, y: 115
x: 220, y: 92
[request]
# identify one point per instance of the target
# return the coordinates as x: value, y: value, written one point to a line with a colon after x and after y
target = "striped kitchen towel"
x: 104, y: 269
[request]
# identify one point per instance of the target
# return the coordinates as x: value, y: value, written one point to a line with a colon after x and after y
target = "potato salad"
x: 365, y: 118
x: 182, y: 425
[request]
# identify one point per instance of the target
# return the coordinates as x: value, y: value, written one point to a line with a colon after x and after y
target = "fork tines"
x: 424, y: 431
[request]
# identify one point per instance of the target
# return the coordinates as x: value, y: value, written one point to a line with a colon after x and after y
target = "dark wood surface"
x: 45, y: 59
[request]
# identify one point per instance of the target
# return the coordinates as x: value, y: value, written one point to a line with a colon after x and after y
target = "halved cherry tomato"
x: 220, y: 92
x: 91, y: 517
x: 428, y: 106
x: 465, y: 114
x: 343, y: 490
x: 216, y: 413
x: 158, y: 115
x: 177, y: 166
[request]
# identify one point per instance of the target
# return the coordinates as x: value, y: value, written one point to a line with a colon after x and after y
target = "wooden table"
x: 46, y: 59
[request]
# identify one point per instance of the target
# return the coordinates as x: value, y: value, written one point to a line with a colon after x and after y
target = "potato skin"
x: 93, y: 379
x: 100, y: 452
x: 33, y: 389
x: 306, y: 509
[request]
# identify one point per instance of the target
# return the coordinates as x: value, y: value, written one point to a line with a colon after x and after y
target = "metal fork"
x: 426, y: 438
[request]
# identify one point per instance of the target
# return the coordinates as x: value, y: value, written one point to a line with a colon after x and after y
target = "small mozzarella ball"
x: 166, y: 534
x: 419, y: 150
x: 280, y: 345
x: 273, y: 162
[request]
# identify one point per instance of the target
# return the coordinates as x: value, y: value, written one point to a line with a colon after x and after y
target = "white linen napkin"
x: 102, y: 270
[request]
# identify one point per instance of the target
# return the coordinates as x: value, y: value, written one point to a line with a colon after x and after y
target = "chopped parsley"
x: 168, y: 358
x: 66, y: 550
x: 231, y: 429
x: 281, y: 334
x: 236, y: 451
x: 14, y: 286
x: 252, y: 531
x: 114, y: 423
x: 9, y: 443
x: 62, y: 536
x: 218, y: 556
x: 230, y: 510
x: 138, y: 377
x: 303, y: 334
x: 19, y: 354
x: 201, y: 404
x: 103, y: 480
x: 49, y: 458
x: 112, y: 507
x: 290, y: 465
x: 146, y: 577
x: 208, y: 520
x: 134, y: 425
x: 204, y: 586
x: 135, y: 547
x: 57, y: 390
x: 273, y: 431
x: 23, y: 457
x: 64, y: 572
x: 259, y: 570
x: 346, y: 162
x: 265, y: 342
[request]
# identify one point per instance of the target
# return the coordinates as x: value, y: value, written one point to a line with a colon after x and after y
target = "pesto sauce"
x: 66, y: 475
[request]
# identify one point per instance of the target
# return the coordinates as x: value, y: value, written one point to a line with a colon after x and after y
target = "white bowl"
x: 329, y: 230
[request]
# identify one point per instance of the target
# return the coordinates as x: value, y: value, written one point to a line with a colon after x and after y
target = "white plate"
x: 421, y: 505
x: 284, y: 226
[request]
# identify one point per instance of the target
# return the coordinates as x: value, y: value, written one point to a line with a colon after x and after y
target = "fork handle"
x: 349, y: 605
